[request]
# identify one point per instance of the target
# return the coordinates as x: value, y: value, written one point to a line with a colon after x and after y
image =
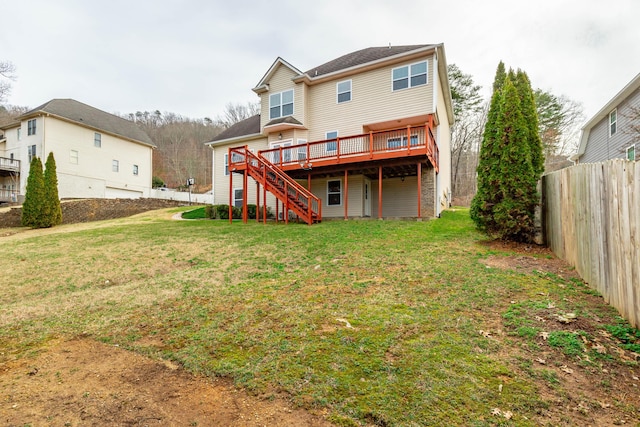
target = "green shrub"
x: 210, y: 212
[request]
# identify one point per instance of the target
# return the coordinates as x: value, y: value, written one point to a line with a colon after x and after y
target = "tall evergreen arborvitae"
x: 530, y: 114
x: 52, y: 212
x: 488, y: 164
x: 34, y: 197
x: 511, y: 161
x: 514, y: 213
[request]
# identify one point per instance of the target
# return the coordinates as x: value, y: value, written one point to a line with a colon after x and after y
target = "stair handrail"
x: 249, y: 155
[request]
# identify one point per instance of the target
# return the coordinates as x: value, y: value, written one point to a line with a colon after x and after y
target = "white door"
x: 367, y: 197
x: 286, y: 152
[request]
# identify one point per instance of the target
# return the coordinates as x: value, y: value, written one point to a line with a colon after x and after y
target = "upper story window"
x: 613, y: 122
x: 31, y: 127
x: 281, y: 104
x: 631, y: 152
x: 409, y: 76
x: 97, y: 140
x: 135, y: 169
x: 343, y: 90
x: 19, y: 131
x: 31, y: 152
x: 73, y: 157
x: 226, y: 164
x: 115, y: 165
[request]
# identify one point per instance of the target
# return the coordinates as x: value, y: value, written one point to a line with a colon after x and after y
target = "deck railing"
x: 369, y: 146
x: 7, y: 164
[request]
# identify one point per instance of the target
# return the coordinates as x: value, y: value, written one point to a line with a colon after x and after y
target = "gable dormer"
x: 282, y: 101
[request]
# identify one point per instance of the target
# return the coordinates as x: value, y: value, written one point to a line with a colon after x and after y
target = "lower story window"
x: 237, y: 197
x: 73, y: 157
x: 135, y: 169
x: 631, y: 153
x: 31, y: 150
x: 334, y: 192
x: 115, y: 165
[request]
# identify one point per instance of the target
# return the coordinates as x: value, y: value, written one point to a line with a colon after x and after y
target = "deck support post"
x: 245, y: 193
x: 419, y: 189
x: 285, y: 212
x: 379, y: 192
x: 257, y: 201
x: 230, y: 194
x: 346, y: 194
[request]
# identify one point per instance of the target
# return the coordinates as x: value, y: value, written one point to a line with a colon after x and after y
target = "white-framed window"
x: 286, y: 151
x: 281, y: 104
x: 97, y: 140
x: 332, y: 145
x: 135, y: 169
x: 334, y: 192
x: 226, y: 164
x: 613, y: 122
x: 343, y: 91
x: 115, y: 165
x: 401, y: 142
x: 302, y: 149
x: 409, y: 76
x: 237, y: 197
x: 31, y: 127
x: 631, y: 152
x: 19, y: 132
x: 73, y: 157
x: 31, y: 152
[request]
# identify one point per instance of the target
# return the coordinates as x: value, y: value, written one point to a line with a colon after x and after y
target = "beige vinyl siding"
x: 372, y: 100
x: 93, y: 174
x: 355, y: 195
x: 399, y: 198
x: 443, y: 139
x: 279, y: 82
x: 221, y: 181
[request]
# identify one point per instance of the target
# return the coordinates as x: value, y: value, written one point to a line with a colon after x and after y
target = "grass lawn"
x: 380, y: 322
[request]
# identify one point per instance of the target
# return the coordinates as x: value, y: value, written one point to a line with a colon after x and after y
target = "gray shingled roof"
x: 248, y: 126
x: 288, y: 119
x: 86, y: 115
x: 360, y: 57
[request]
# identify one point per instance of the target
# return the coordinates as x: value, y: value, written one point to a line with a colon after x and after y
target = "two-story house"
x: 98, y: 155
x: 614, y: 132
x: 367, y: 134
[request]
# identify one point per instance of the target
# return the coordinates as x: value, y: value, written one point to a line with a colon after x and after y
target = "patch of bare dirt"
x: 600, y: 386
x: 86, y: 383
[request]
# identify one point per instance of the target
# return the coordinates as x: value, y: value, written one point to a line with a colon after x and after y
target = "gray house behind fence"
x: 614, y: 132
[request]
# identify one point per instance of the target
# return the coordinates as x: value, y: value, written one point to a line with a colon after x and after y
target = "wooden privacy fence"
x: 591, y: 219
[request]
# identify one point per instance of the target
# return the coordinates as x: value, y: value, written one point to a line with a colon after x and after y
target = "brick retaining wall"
x: 86, y: 210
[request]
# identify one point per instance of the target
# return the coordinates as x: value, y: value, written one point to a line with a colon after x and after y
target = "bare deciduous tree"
x: 234, y: 113
x: 7, y: 70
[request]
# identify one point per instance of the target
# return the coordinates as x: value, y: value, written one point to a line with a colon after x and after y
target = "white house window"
x: 409, y: 76
x: 226, y: 164
x: 334, y: 192
x: 135, y: 169
x: 19, y: 131
x: 343, y: 90
x: 115, y: 165
x: 631, y: 152
x: 281, y: 104
x: 613, y: 121
x: 31, y: 152
x: 31, y: 127
x: 332, y: 145
x: 302, y: 149
x: 400, y: 142
x: 97, y: 140
x: 237, y: 197
x: 73, y: 157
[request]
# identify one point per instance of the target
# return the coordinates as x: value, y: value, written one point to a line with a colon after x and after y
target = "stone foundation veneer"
x: 428, y: 196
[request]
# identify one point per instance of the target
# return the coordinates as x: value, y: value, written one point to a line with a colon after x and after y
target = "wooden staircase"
x: 293, y: 196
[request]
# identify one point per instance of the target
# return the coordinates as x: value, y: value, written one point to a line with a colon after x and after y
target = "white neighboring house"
x: 98, y: 155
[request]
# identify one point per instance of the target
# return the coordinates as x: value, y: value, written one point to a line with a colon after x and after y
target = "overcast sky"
x: 192, y: 57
